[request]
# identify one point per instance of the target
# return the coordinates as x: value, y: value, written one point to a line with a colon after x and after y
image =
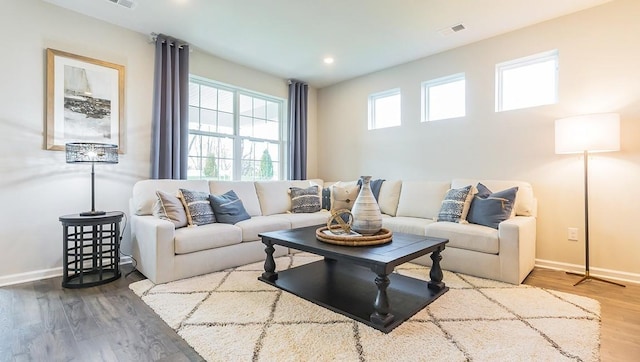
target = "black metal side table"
x: 91, y: 249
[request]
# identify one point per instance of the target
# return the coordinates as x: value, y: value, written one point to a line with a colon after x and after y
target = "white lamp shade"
x: 592, y: 133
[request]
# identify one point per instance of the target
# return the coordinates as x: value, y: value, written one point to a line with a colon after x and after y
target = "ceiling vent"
x: 452, y: 29
x: 129, y: 4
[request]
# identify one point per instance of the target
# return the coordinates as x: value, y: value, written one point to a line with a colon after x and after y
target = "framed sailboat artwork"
x: 85, y: 100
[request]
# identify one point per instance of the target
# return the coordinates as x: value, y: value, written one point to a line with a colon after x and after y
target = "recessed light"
x: 328, y: 60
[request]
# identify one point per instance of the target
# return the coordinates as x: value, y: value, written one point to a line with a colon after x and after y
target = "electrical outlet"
x: 573, y: 234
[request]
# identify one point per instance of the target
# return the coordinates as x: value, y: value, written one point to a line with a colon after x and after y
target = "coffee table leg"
x: 436, y: 272
x: 381, y: 315
x: 269, y: 264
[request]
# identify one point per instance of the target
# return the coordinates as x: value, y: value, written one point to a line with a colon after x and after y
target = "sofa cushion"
x: 308, y: 219
x: 421, y: 198
x: 261, y: 224
x: 169, y: 207
x: 274, y: 195
x: 408, y: 225
x: 246, y: 191
x: 204, y: 237
x: 455, y: 205
x: 144, y: 192
x: 228, y: 208
x: 525, y: 204
x: 466, y: 236
x: 491, y: 208
x: 197, y: 206
x: 305, y: 200
x: 389, y: 197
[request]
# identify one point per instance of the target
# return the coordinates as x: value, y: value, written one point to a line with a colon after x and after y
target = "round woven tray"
x: 381, y: 237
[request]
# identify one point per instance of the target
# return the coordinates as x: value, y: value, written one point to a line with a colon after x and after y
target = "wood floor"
x: 620, y: 310
x: 41, y: 321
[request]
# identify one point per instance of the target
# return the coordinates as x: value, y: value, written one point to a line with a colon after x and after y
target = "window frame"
x: 523, y: 62
x: 426, y: 85
x: 236, y: 138
x: 373, y: 97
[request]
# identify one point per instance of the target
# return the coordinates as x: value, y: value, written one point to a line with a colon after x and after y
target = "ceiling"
x: 290, y: 38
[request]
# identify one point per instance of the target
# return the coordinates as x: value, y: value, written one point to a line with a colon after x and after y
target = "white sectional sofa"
x: 164, y: 253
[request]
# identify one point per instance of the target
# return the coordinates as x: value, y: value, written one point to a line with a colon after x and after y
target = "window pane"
x: 269, y: 130
x: 209, y: 156
x: 209, y: 97
x: 273, y: 111
x: 246, y: 126
x: 246, y: 105
x: 194, y: 94
x: 225, y: 101
x: 273, y: 150
x: 259, y: 160
x: 527, y: 82
x: 195, y: 157
x: 248, y: 170
x: 445, y: 99
x: 528, y: 86
x: 225, y: 123
x: 259, y: 108
x: 207, y: 120
x: 266, y: 129
x: 386, y: 111
x: 194, y: 117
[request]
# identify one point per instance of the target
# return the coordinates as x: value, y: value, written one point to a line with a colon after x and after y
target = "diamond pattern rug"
x: 231, y: 316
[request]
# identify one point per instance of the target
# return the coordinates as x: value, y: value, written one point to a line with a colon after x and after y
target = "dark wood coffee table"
x: 358, y: 281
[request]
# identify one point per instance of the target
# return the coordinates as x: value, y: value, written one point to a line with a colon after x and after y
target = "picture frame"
x: 85, y: 100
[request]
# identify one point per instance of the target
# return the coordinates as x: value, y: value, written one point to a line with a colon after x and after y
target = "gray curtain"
x: 170, y: 122
x: 298, y: 130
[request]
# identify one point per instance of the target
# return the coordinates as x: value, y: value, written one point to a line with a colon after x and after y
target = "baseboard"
x: 41, y: 274
x: 541, y: 263
x: 614, y: 275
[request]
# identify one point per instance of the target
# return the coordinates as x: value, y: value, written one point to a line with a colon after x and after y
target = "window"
x: 384, y: 109
x: 527, y: 82
x: 443, y: 98
x: 234, y: 134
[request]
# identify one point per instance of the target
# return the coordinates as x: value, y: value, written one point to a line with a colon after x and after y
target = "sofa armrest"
x: 152, y: 241
x: 517, y: 247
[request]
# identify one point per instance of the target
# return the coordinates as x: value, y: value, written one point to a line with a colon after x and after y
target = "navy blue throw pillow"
x: 228, y: 208
x: 491, y: 208
x: 326, y: 198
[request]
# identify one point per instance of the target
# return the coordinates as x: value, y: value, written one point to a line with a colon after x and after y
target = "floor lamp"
x: 587, y: 134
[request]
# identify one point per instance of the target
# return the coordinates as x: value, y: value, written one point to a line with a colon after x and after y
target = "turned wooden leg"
x: 381, y: 315
x: 269, y: 263
x: 436, y: 272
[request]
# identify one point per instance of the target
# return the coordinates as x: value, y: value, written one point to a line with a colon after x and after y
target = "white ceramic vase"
x: 367, y: 218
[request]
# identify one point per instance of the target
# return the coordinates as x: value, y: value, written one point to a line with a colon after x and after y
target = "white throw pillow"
x: 421, y: 198
x: 344, y: 194
x: 389, y: 197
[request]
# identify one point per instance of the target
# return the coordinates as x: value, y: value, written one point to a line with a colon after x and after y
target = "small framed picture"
x: 85, y: 100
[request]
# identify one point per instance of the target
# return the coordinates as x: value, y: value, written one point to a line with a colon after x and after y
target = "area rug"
x: 231, y: 316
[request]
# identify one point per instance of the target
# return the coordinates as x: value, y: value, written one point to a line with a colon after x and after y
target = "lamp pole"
x: 586, y: 227
x: 93, y: 211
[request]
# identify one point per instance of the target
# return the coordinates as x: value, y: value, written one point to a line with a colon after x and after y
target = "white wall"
x: 599, y: 72
x: 36, y: 185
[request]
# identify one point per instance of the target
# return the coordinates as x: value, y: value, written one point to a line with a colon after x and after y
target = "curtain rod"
x: 153, y: 37
x: 290, y: 81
